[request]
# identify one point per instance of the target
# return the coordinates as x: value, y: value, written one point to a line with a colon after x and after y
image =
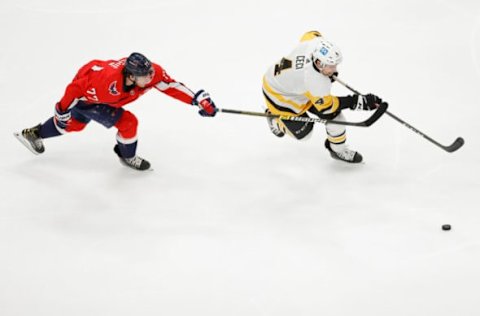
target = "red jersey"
x: 102, y: 82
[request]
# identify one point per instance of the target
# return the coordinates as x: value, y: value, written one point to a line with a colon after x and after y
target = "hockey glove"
x: 366, y: 102
x: 206, y: 105
x: 62, y: 118
x: 331, y: 77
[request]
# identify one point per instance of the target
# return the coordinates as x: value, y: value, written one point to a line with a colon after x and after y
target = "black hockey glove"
x: 334, y: 74
x: 62, y: 118
x: 365, y: 102
x: 204, y: 102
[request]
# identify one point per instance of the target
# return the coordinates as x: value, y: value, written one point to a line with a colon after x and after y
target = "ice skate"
x: 30, y: 138
x: 273, y: 124
x: 346, y: 154
x: 135, y: 162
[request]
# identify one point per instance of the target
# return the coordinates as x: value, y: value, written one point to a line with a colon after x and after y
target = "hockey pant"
x: 336, y: 134
x: 108, y: 116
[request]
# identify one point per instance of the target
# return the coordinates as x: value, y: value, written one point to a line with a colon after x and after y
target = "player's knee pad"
x: 127, y: 125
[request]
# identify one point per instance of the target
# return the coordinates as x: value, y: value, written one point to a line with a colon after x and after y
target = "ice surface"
x: 234, y: 221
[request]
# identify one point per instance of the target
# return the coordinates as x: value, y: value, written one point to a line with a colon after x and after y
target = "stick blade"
x: 455, y: 145
x: 378, y: 113
x: 382, y: 108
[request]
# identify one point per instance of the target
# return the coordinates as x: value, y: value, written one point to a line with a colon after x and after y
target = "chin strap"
x: 127, y: 88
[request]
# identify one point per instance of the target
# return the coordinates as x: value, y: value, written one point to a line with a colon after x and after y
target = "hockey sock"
x: 337, y: 143
x: 127, y: 150
x: 48, y: 129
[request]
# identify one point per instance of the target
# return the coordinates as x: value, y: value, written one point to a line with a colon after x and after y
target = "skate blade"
x: 130, y: 167
x: 335, y: 157
x: 25, y: 143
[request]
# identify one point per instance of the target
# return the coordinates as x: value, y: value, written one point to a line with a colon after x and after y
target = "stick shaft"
x: 372, y: 119
x: 451, y: 148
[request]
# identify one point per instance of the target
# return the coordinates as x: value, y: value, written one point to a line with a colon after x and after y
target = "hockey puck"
x: 446, y: 227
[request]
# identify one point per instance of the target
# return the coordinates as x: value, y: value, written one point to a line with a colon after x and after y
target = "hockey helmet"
x: 327, y: 53
x: 138, y: 65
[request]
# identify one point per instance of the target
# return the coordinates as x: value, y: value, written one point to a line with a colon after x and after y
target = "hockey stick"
x: 372, y: 119
x: 451, y: 148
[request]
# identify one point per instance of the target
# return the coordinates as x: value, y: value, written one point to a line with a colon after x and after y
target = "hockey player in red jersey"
x: 99, y: 91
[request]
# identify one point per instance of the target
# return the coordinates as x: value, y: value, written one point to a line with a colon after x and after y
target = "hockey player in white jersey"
x: 300, y: 83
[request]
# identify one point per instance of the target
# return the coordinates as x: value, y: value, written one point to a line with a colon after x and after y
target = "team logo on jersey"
x: 113, y: 88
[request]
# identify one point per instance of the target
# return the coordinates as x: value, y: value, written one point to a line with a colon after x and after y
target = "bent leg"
x: 127, y: 134
x: 51, y: 129
x: 337, y: 134
x: 109, y: 116
x: 296, y: 129
x: 336, y: 140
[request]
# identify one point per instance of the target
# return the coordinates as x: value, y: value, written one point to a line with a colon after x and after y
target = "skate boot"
x: 30, y: 138
x: 346, y: 154
x: 135, y: 162
x: 273, y: 124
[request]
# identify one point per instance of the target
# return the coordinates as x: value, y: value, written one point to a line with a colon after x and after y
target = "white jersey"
x: 295, y: 85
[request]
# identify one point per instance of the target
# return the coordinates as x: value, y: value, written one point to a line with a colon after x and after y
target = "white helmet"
x: 327, y: 53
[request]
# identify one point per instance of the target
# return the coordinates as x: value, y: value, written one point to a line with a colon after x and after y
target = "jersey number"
x: 282, y: 65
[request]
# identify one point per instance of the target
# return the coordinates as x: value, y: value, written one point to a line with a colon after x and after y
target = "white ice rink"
x: 234, y: 221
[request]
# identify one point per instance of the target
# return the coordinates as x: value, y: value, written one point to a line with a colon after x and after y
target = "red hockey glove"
x: 206, y: 105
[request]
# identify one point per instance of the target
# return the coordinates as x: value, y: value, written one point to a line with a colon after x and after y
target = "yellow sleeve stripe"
x: 335, y: 103
x: 328, y: 103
